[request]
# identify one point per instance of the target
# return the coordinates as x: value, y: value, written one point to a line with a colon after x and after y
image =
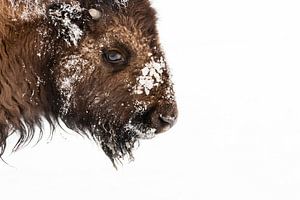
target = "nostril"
x: 168, y: 120
x: 161, y: 118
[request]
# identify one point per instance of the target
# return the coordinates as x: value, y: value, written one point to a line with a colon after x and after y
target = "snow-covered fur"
x: 57, y: 62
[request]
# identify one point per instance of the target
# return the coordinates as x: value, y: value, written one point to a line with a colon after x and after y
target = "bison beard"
x: 116, y: 141
x: 96, y: 65
x: 116, y: 137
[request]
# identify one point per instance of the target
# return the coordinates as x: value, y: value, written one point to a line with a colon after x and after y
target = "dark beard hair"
x: 112, y: 135
x: 116, y: 143
x: 118, y: 139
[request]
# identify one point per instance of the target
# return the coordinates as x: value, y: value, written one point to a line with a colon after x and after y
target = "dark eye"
x: 114, y: 57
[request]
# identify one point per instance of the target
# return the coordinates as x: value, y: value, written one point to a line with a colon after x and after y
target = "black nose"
x: 163, y: 117
x: 167, y: 121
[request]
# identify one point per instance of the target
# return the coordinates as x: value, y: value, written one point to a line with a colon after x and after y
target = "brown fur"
x: 34, y: 53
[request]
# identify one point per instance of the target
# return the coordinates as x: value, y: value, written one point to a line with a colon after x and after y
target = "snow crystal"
x: 150, y: 77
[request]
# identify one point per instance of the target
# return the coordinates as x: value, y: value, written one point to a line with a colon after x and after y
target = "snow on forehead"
x: 121, y: 2
x: 28, y: 8
x: 68, y: 26
x: 31, y: 9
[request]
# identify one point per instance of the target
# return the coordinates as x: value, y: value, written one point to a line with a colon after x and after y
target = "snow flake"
x: 151, y: 76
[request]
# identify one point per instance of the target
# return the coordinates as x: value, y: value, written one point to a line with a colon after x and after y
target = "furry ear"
x: 68, y: 20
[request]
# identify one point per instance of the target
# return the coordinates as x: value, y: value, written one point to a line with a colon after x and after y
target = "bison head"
x: 108, y: 76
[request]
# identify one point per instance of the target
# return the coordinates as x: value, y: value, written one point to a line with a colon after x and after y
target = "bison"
x: 95, y: 65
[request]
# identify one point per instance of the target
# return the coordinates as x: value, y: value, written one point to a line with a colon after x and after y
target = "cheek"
x: 70, y: 74
x: 113, y: 97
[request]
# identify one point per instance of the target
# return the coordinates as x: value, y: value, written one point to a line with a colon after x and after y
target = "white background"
x: 236, y: 68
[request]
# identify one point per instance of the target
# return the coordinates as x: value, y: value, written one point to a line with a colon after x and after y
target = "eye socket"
x: 115, y: 57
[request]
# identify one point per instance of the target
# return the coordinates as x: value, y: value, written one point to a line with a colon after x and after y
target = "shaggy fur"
x: 52, y: 67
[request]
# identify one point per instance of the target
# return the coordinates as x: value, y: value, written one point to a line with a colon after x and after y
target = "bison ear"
x: 68, y: 20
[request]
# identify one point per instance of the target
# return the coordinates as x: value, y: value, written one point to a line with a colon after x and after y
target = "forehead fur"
x: 134, y: 15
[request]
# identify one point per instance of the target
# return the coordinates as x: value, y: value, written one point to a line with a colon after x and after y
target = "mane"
x: 23, y: 89
x: 23, y: 102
